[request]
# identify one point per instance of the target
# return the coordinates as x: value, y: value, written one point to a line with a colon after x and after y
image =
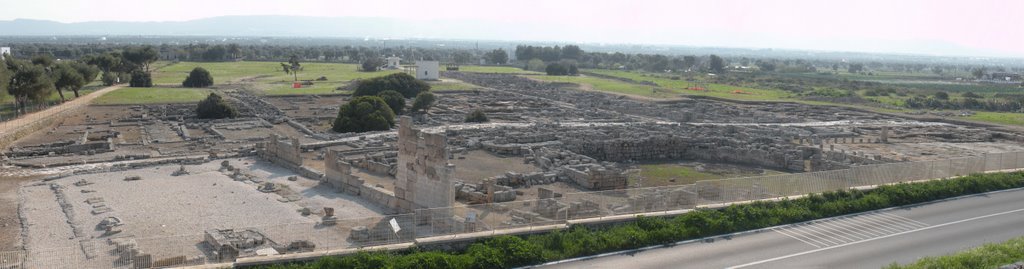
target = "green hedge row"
x: 512, y: 251
x: 987, y: 256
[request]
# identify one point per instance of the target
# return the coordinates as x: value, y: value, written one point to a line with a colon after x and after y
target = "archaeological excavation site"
x: 153, y: 186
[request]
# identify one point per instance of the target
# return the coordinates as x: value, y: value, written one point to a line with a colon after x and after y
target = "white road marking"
x: 794, y: 237
x: 876, y: 238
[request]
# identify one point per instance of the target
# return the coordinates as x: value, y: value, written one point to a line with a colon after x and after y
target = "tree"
x: 140, y: 57
x: 535, y: 65
x: 423, y: 101
x: 109, y: 79
x: 476, y: 116
x: 403, y: 83
x: 941, y: 95
x: 214, y: 107
x: 978, y: 72
x: 766, y: 66
x: 498, y: 56
x: 29, y: 83
x: 198, y: 78
x: 717, y: 64
x: 66, y: 77
x: 462, y: 57
x: 294, y: 66
x: 364, y: 114
x: 689, y: 61
x: 573, y: 70
x: 141, y: 79
x: 855, y: 68
x: 372, y: 64
x: 571, y: 52
x: 937, y: 70
x: 234, y: 50
x: 394, y: 99
x: 556, y: 69
x: 43, y: 60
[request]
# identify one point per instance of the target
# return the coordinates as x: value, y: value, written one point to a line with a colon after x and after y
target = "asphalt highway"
x: 867, y: 240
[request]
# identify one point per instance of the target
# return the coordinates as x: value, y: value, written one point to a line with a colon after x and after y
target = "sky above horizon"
x: 975, y: 27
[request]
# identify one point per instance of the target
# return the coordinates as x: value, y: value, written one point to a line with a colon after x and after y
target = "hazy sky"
x: 991, y: 27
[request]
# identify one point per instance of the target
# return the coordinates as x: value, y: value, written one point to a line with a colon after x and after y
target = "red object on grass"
x: 296, y: 85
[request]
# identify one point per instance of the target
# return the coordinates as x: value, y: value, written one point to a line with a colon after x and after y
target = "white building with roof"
x: 428, y: 70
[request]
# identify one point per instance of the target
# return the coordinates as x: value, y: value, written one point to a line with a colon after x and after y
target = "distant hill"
x: 292, y: 26
x: 366, y: 27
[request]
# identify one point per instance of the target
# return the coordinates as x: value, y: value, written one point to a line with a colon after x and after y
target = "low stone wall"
x: 8, y: 138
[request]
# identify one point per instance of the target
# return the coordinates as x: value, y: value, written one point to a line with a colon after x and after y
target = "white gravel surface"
x: 166, y: 215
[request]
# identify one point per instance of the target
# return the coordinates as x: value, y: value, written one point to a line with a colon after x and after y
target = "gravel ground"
x: 166, y: 215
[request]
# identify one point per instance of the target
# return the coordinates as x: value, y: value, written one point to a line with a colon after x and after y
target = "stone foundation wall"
x: 287, y: 153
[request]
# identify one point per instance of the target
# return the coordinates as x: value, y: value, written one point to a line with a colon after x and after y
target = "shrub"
x: 198, y: 78
x: 403, y: 83
x: 941, y: 95
x: 423, y: 101
x: 970, y: 95
x: 556, y: 69
x: 109, y: 79
x: 214, y: 107
x: 476, y: 116
x: 141, y: 79
x: 364, y: 114
x: 394, y: 99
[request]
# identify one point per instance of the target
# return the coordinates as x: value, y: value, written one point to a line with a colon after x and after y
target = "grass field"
x: 611, y: 85
x: 496, y: 69
x: 651, y: 175
x: 156, y: 95
x: 1008, y: 118
x: 712, y: 89
x: 268, y: 75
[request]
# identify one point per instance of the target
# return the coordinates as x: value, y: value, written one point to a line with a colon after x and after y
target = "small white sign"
x: 394, y: 225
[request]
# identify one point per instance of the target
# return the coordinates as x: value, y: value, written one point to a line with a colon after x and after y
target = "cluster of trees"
x: 37, y: 79
x: 498, y: 56
x: 215, y: 107
x: 130, y: 63
x: 372, y: 64
x: 377, y: 100
x: 580, y: 240
x: 562, y: 69
x: 363, y: 114
x: 377, y: 112
x: 549, y: 54
x: 403, y: 83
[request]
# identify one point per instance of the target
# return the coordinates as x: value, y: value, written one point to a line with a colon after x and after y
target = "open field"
x: 610, y: 85
x: 711, y: 89
x: 496, y: 69
x: 153, y: 95
x: 268, y: 75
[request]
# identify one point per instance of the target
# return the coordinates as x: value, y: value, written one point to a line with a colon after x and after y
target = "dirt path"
x: 13, y: 125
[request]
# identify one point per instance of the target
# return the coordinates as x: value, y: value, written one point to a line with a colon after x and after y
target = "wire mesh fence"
x: 553, y: 210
